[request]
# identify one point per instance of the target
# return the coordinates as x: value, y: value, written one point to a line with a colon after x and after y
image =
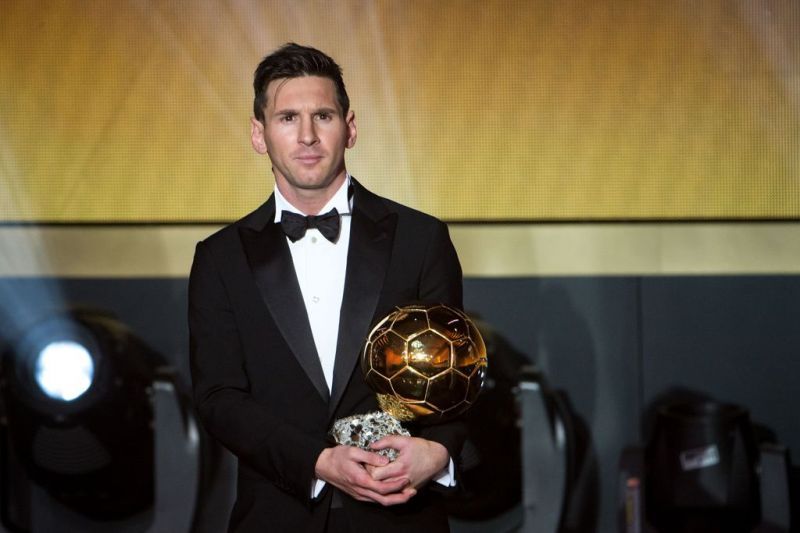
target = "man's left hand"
x: 418, y: 460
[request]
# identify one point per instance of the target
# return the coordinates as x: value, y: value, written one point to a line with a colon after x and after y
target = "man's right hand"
x: 345, y: 468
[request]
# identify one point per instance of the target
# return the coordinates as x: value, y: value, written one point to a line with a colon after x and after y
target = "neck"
x: 309, y: 201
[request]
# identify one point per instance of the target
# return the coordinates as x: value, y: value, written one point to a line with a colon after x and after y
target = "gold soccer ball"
x: 425, y: 363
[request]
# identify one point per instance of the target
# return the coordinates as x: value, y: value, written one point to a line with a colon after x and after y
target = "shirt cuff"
x: 316, y: 487
x: 447, y: 476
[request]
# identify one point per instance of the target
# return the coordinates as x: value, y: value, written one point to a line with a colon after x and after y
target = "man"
x: 280, y: 305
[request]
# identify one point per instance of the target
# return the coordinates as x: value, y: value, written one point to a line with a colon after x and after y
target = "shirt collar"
x: 341, y: 201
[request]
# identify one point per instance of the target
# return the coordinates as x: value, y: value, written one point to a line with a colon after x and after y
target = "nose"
x: 308, y: 131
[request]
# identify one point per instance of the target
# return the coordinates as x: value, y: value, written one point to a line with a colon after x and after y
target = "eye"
x: 324, y: 115
x: 288, y: 118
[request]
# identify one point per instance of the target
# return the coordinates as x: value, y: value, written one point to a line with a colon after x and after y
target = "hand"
x: 345, y: 468
x: 418, y: 460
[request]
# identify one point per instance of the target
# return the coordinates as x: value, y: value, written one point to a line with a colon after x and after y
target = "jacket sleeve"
x: 261, y: 439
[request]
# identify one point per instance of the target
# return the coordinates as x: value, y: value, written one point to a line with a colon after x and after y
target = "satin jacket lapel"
x: 271, y: 262
x: 371, y: 237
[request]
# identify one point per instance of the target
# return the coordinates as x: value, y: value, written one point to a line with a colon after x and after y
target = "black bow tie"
x: 295, y: 225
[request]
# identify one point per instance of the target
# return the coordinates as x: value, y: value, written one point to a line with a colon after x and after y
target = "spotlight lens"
x: 64, y: 370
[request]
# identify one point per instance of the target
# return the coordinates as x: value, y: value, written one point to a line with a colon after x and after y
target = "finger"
x: 390, y: 441
x: 359, y: 497
x: 368, y: 458
x: 371, y: 470
x: 398, y: 478
x: 391, y: 499
x: 392, y: 470
x: 398, y: 497
x: 368, y: 492
x: 387, y: 486
x: 355, y: 476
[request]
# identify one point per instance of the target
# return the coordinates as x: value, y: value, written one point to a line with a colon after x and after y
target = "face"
x: 305, y: 135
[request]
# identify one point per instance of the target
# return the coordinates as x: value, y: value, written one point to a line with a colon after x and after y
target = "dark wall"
x: 583, y: 333
x: 613, y: 345
x: 736, y: 339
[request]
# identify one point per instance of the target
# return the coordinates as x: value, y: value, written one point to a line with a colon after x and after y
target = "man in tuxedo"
x: 280, y: 303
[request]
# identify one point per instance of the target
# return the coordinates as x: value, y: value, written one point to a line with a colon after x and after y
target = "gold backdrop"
x: 137, y: 110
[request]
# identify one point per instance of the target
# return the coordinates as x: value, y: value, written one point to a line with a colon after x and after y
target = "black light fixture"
x: 520, y: 449
x: 704, y: 470
x: 77, y: 394
x: 702, y: 463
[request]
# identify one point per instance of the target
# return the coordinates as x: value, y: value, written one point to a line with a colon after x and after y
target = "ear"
x: 257, y: 136
x: 352, y: 132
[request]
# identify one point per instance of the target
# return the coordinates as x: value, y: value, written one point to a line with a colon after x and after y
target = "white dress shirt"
x: 320, y: 266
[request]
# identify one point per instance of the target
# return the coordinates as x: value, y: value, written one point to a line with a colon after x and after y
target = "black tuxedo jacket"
x: 258, y: 383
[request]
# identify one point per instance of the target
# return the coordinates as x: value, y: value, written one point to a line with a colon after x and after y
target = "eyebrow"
x: 329, y: 110
x: 290, y: 111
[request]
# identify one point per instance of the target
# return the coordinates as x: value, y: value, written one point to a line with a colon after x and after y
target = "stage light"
x: 77, y: 389
x: 64, y: 370
x: 96, y: 432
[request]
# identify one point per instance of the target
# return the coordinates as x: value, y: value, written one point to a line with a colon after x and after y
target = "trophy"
x: 426, y: 364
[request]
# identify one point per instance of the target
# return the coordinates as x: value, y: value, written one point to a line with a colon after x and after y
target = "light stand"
x: 177, y: 449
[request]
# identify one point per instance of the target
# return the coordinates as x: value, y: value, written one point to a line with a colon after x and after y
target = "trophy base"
x: 363, y: 430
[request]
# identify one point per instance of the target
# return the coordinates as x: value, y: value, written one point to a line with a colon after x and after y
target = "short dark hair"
x: 293, y: 61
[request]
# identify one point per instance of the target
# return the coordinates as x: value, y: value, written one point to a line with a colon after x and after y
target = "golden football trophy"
x: 426, y: 364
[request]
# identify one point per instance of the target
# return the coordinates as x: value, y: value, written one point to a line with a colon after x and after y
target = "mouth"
x: 308, y: 159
